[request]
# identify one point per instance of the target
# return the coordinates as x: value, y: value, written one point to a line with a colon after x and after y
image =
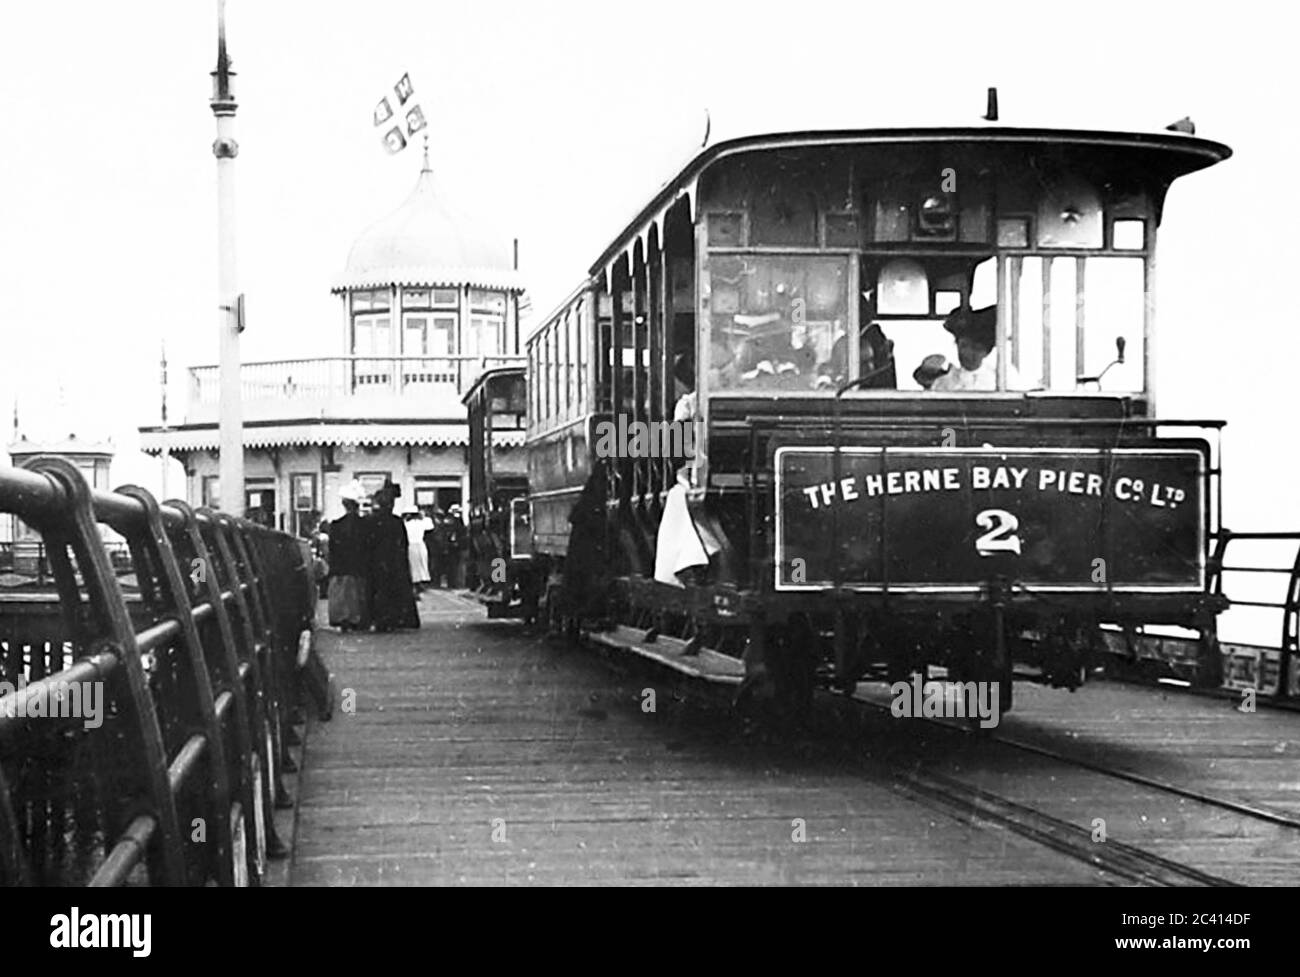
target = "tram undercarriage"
x: 785, y: 647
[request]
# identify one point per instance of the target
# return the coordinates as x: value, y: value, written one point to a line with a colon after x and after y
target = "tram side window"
x: 570, y: 364
x: 571, y: 361
x: 557, y: 371
x: 604, y: 356
x: 543, y: 369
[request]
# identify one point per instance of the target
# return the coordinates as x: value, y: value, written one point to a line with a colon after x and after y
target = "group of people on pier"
x: 369, y: 572
x: 437, y: 546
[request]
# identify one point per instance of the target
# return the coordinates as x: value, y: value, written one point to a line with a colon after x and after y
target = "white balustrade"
x: 324, y: 385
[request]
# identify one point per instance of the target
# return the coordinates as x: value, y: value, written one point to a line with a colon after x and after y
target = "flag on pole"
x: 414, y: 121
x: 404, y: 89
x: 395, y: 140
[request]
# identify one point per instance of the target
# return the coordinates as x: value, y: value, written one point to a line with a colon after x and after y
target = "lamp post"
x: 225, y: 149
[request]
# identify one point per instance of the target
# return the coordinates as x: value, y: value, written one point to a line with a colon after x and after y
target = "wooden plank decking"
x: 478, y: 753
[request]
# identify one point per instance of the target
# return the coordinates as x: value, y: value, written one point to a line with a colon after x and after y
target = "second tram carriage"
x: 838, y: 501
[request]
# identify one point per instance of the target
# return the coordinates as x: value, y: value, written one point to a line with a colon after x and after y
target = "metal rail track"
x: 973, y: 804
x: 1117, y: 858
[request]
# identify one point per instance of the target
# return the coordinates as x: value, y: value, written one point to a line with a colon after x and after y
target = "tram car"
x: 852, y: 405
x: 500, y: 548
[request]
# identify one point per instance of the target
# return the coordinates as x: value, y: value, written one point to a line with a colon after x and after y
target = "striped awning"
x: 206, y: 437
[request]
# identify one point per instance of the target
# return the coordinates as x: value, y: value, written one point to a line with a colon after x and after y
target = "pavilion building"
x: 427, y: 302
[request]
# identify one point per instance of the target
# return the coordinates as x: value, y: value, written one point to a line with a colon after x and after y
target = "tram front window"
x: 778, y: 323
x: 782, y: 323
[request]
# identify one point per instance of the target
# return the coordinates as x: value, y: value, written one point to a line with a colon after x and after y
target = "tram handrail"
x: 197, y: 675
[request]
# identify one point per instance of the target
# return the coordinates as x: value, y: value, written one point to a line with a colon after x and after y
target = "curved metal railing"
x: 143, y: 734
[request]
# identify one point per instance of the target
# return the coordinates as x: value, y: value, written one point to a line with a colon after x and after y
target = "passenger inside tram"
x: 975, y: 333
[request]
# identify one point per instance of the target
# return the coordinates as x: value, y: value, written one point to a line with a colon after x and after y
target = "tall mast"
x: 225, y: 149
x: 166, y: 455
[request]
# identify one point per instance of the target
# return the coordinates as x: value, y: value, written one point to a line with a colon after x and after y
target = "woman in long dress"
x: 417, y: 554
x: 392, y: 603
x: 348, y: 588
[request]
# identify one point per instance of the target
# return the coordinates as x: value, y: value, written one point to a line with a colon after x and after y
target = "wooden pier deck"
x: 479, y: 753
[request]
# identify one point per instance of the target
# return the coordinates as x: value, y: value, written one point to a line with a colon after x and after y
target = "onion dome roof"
x: 427, y: 242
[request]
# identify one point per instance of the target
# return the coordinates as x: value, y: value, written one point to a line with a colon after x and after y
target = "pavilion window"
x: 371, y: 300
x: 372, y: 336
x: 485, y: 335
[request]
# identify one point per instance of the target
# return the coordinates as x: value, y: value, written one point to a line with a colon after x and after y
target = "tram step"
x: 708, y: 665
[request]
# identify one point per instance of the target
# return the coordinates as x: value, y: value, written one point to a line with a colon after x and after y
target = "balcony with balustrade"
x: 345, y: 387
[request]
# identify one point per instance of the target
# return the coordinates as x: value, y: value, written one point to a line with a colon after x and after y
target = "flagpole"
x: 166, y: 455
x: 225, y: 149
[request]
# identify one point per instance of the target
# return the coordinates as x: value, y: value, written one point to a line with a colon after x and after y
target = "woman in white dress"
x: 416, y: 552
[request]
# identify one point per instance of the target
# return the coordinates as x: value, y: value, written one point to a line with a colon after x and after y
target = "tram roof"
x: 1173, y: 154
x: 488, y: 375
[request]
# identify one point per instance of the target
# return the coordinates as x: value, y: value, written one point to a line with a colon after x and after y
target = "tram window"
x: 984, y: 284
x: 532, y: 388
x: 1114, y: 297
x: 790, y: 327
x: 1069, y: 215
x: 902, y: 288
x: 570, y: 368
x: 1013, y: 232
x: 553, y: 370
x: 1065, y: 317
x: 842, y: 231
x: 1063, y: 283
x: 945, y: 302
x: 913, y: 341
x: 581, y: 355
x: 784, y: 215
x: 725, y: 229
x: 1128, y: 235
x: 543, y: 377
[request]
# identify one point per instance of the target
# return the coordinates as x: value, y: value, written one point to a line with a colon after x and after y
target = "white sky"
x: 555, y: 121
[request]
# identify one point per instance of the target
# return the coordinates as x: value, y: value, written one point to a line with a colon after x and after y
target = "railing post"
x: 1290, y: 631
x: 161, y: 578
x: 225, y: 663
x: 221, y: 526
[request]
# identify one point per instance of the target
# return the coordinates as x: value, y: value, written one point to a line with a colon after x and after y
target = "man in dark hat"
x: 976, y: 333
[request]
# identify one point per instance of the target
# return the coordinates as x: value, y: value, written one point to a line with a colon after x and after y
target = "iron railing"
x: 175, y: 779
x: 1272, y: 670
x: 25, y: 563
x: 1289, y: 644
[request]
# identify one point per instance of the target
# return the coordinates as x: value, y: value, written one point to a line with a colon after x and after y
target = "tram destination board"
x: 1122, y: 519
